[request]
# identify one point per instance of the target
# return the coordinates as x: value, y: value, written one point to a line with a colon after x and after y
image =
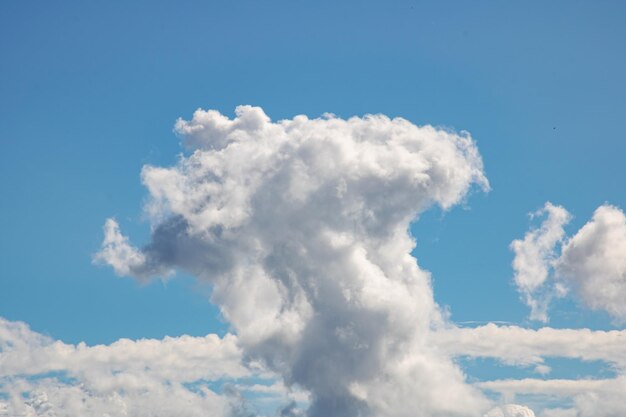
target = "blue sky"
x: 90, y: 92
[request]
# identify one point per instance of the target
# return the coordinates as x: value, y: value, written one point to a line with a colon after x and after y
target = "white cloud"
x: 124, y: 258
x: 146, y: 377
x: 519, y: 346
x: 592, y: 262
x: 556, y: 387
x: 514, y: 345
x: 534, y: 256
x: 43, y: 377
x: 182, y: 359
x: 511, y: 410
x: 591, y: 397
x: 560, y: 412
x: 301, y: 226
x: 542, y: 369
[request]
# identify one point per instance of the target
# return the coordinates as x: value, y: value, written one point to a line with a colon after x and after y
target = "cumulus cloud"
x: 589, y: 397
x: 511, y: 410
x: 40, y: 376
x: 592, y: 262
x: 515, y: 345
x: 124, y: 258
x: 301, y: 226
x: 183, y: 359
x: 534, y: 256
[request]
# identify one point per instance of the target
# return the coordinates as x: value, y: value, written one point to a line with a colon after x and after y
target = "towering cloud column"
x: 302, y: 226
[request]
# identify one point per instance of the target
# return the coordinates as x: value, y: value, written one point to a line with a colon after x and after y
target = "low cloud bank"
x: 40, y: 376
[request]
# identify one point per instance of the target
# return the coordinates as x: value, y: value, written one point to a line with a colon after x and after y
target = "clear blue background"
x: 89, y: 92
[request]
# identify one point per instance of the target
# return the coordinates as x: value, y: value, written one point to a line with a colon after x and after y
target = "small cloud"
x: 542, y: 369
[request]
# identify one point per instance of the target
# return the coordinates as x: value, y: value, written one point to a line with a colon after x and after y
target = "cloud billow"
x: 301, y: 226
x: 592, y: 262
